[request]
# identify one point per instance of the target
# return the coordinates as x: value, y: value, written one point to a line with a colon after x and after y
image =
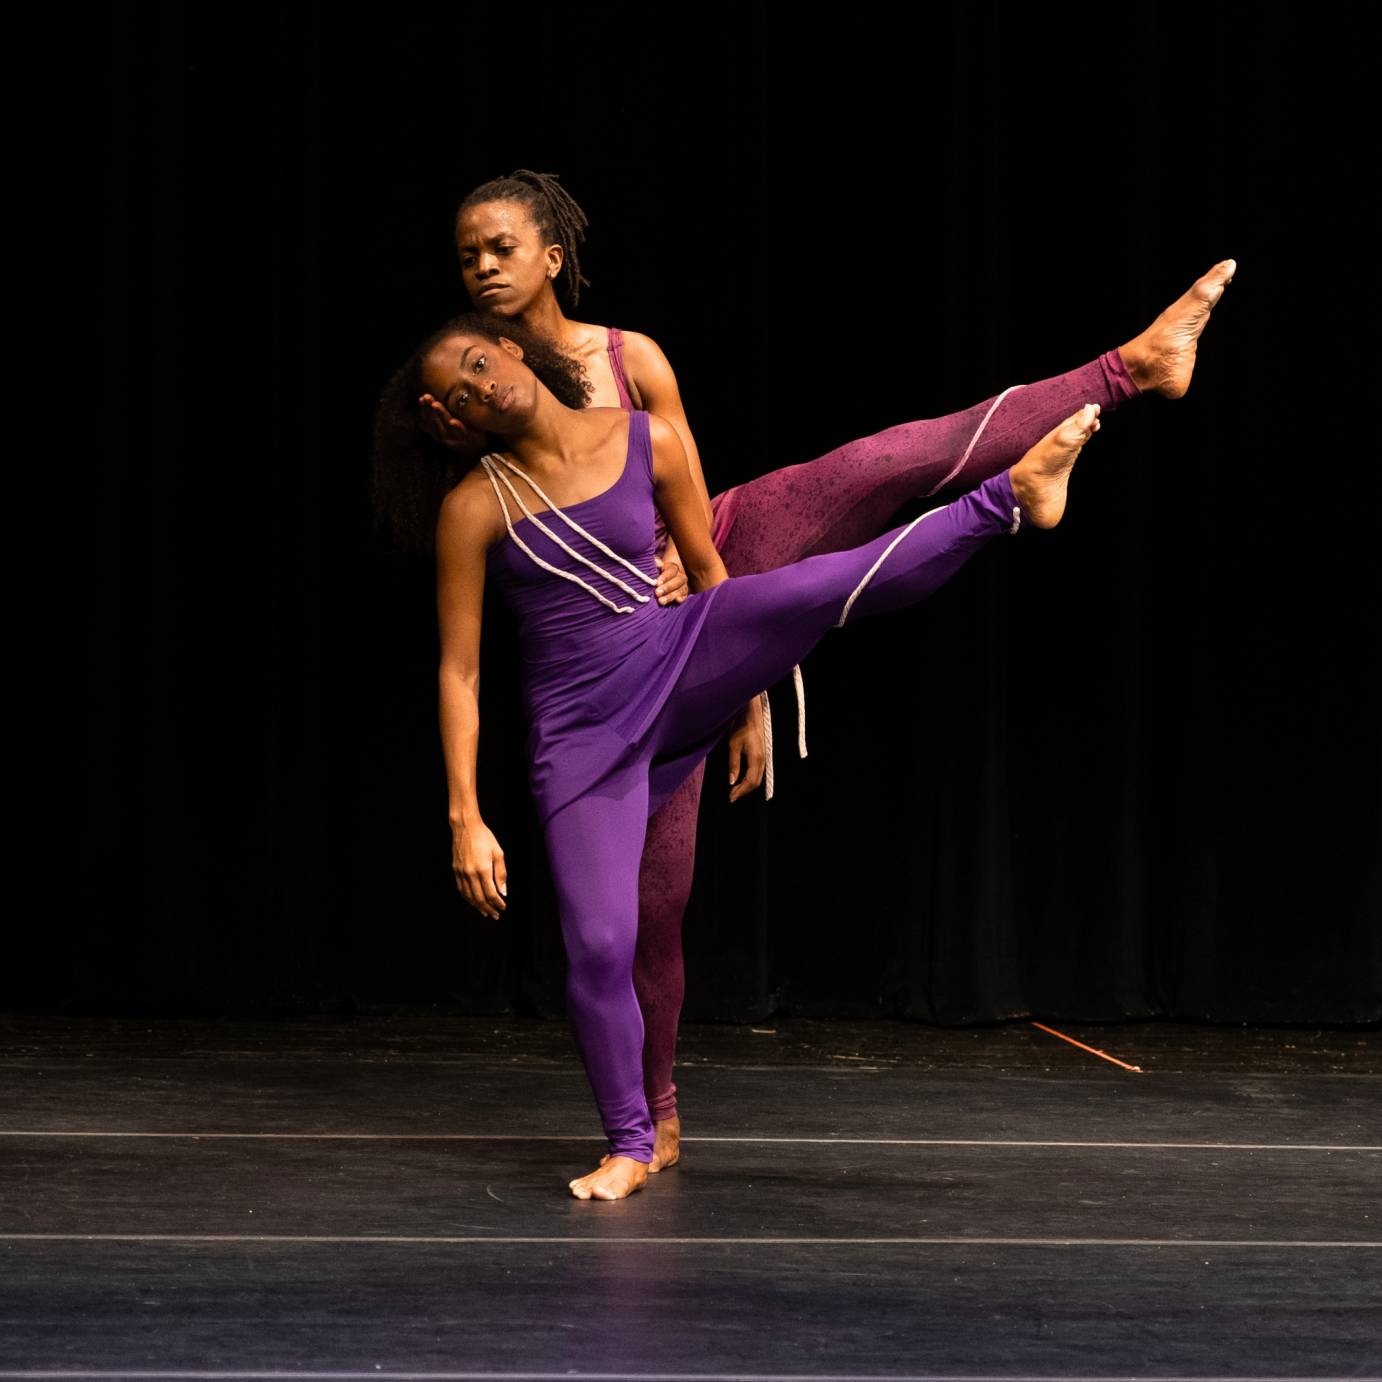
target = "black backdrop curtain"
x: 1126, y: 769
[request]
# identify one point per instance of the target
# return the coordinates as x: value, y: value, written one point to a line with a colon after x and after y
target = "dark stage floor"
x: 385, y: 1197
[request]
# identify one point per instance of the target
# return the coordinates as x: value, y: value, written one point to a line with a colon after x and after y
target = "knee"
x: 599, y: 954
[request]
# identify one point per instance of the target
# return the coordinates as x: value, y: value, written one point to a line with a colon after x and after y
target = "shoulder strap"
x: 641, y: 436
x: 491, y: 464
x: 615, y: 348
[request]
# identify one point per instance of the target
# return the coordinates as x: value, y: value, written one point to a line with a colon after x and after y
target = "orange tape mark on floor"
x: 1090, y: 1049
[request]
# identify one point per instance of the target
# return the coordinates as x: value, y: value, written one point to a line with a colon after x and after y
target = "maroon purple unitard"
x: 839, y: 500
x: 625, y: 697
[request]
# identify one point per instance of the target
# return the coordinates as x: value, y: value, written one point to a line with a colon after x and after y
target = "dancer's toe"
x: 616, y: 1178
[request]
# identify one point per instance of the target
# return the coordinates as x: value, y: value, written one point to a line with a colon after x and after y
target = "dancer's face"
x: 484, y: 384
x: 504, y: 264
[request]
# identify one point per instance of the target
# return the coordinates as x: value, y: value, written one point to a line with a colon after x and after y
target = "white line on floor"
x: 814, y: 1141
x: 601, y: 1239
x: 528, y: 1376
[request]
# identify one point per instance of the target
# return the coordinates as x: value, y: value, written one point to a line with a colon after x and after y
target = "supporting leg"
x: 659, y: 975
x: 594, y: 844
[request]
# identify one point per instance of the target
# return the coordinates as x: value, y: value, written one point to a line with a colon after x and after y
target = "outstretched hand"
x: 478, y: 865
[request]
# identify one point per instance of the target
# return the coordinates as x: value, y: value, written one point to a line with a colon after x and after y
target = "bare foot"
x: 1162, y: 359
x: 616, y: 1178
x: 1040, y: 478
x: 666, y: 1146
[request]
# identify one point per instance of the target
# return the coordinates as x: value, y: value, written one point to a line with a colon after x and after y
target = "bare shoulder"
x: 665, y: 439
x: 643, y: 351
x: 659, y: 429
x: 652, y: 374
x: 469, y: 514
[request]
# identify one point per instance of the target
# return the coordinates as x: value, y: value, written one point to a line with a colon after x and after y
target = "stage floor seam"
x: 601, y: 1240
x: 700, y: 1138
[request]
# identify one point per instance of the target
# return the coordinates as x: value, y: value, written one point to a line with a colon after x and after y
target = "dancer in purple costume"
x: 517, y: 239
x: 625, y: 695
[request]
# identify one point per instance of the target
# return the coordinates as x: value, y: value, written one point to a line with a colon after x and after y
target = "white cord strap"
x: 767, y: 745
x: 491, y: 471
x: 868, y: 575
x: 571, y: 522
x: 800, y: 687
x: 974, y: 440
x: 959, y: 466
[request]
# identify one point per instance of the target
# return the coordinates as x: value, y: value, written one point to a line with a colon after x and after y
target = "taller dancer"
x: 518, y: 240
x: 625, y: 695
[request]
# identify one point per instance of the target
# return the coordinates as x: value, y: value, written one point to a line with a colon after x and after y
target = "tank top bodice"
x: 618, y: 572
x: 599, y: 655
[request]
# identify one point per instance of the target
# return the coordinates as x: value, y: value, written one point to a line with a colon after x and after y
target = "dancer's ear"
x: 512, y: 347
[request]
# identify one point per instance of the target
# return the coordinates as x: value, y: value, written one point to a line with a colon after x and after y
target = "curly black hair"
x: 555, y: 213
x: 411, y: 472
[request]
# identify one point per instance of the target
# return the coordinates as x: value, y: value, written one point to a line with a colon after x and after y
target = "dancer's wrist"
x: 751, y: 712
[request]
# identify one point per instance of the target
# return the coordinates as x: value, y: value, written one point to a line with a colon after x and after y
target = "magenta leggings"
x: 838, y: 501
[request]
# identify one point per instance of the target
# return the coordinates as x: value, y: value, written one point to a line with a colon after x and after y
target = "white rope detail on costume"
x: 974, y: 440
x: 546, y: 565
x: 608, y: 551
x: 491, y: 470
x: 960, y: 465
x: 571, y: 523
x: 800, y: 687
x: 767, y: 745
x: 868, y: 576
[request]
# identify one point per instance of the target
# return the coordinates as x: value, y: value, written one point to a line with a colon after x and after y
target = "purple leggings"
x: 756, y: 627
x: 837, y: 501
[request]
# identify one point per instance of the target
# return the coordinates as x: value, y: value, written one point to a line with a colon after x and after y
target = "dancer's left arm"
x: 675, y: 494
x: 656, y: 387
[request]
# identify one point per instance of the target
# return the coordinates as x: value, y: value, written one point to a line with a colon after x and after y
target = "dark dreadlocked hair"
x: 411, y: 472
x: 555, y: 213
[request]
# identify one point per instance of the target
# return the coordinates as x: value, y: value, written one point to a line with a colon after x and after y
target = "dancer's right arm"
x: 465, y: 531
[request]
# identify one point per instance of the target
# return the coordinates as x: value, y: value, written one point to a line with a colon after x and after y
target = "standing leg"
x: 659, y: 973
x: 593, y: 845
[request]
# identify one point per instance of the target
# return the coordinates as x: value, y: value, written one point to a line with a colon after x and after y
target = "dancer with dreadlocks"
x: 518, y: 239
